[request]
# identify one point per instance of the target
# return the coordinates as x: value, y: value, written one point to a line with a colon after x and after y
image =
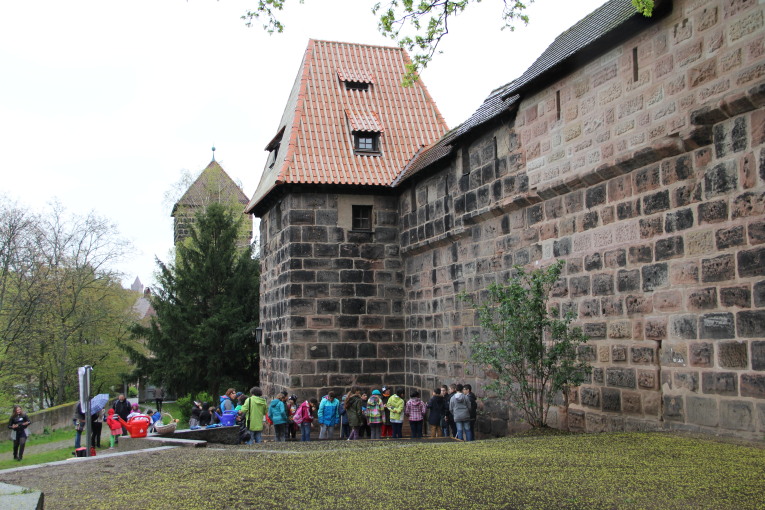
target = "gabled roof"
x: 609, y: 23
x: 212, y: 185
x: 321, y: 115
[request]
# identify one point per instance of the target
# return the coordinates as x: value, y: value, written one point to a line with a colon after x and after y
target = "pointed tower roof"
x: 137, y: 285
x: 342, y: 89
x: 212, y: 185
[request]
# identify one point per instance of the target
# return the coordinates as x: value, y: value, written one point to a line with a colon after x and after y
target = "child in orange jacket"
x: 114, y: 426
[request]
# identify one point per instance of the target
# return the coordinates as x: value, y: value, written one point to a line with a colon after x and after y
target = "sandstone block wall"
x: 645, y: 171
x: 332, y: 297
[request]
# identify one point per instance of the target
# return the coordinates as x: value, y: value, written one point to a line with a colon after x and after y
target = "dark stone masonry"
x: 647, y: 177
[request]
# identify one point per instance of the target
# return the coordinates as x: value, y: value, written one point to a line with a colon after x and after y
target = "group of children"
x: 451, y: 412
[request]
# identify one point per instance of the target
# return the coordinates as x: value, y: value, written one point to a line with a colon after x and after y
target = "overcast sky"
x: 103, y: 104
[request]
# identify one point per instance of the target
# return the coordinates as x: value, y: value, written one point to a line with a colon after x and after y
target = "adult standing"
x: 445, y: 427
x: 353, y: 405
x: 277, y: 411
x: 18, y: 425
x: 96, y: 425
x: 159, y: 397
x: 79, y: 425
x: 122, y: 409
x: 254, y: 409
x: 474, y: 405
x: 329, y: 415
x: 452, y: 392
x: 460, y: 408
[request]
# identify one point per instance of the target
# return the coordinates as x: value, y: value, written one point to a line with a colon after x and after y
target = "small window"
x: 362, y: 217
x: 366, y: 141
x: 356, y: 85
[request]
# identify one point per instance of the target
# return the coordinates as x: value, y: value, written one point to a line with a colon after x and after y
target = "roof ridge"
x: 327, y: 41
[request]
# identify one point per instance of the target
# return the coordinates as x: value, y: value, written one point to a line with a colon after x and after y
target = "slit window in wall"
x: 362, y: 217
x: 635, y: 68
x: 557, y: 103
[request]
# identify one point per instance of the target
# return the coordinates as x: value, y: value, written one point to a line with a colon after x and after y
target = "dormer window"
x: 356, y: 85
x: 366, y: 141
x: 355, y: 79
x: 273, y: 147
x: 365, y: 127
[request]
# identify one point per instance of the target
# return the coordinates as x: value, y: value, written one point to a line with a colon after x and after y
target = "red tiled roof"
x: 364, y: 121
x: 317, y: 145
x: 355, y: 75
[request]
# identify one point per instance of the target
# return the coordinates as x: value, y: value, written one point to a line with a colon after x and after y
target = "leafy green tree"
x: 206, y: 306
x: 61, y: 304
x: 528, y: 352
x: 417, y: 26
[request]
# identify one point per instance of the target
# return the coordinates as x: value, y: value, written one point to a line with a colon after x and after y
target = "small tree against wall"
x: 528, y: 351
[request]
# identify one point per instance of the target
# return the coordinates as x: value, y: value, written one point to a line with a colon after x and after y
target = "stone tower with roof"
x: 213, y: 185
x: 333, y: 280
x: 633, y: 149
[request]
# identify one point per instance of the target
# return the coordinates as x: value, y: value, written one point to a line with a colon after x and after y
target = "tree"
x: 417, y: 26
x: 206, y: 306
x: 528, y: 352
x: 61, y: 304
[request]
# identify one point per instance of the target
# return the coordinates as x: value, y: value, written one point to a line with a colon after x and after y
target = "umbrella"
x: 98, y: 402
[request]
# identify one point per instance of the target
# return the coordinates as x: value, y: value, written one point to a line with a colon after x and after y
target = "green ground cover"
x: 604, y: 471
x: 38, y: 458
x: 37, y: 439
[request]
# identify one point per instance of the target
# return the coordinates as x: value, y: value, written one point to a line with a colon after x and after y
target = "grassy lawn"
x: 38, y: 458
x: 65, y: 434
x: 604, y: 471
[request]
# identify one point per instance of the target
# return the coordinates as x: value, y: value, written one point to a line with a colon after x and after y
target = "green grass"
x: 38, y: 458
x: 35, y: 439
x: 593, y: 472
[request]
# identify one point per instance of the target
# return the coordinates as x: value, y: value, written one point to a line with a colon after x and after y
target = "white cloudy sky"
x: 104, y: 103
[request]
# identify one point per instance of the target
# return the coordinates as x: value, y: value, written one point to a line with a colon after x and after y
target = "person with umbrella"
x: 97, y: 405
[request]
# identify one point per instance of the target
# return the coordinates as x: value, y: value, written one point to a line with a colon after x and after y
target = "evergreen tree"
x: 206, y: 309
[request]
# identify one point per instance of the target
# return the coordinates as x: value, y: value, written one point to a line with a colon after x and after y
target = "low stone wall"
x: 219, y: 435
x: 52, y: 418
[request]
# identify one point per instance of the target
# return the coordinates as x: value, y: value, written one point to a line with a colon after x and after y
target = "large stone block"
x: 717, y: 326
x: 751, y: 324
x: 621, y: 377
x: 673, y: 408
x: 702, y: 411
x: 753, y: 385
x: 720, y: 383
x: 655, y: 276
x: 751, y: 262
x: 611, y: 399
x: 733, y: 354
x: 736, y: 415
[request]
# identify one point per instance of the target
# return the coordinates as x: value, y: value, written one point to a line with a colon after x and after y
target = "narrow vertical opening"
x: 635, y: 68
x: 557, y: 103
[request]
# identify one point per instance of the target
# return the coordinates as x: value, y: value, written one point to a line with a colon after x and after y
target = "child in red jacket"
x: 115, y: 427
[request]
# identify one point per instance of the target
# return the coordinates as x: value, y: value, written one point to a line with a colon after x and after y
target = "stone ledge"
x: 661, y: 149
x: 731, y: 106
x: 435, y: 242
x: 20, y: 498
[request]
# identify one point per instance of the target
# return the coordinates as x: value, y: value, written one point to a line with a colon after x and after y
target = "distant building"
x: 213, y: 185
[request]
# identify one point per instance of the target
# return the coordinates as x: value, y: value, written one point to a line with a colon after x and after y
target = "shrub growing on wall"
x: 527, y: 350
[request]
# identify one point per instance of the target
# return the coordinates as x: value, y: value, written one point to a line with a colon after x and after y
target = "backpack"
x: 299, y: 415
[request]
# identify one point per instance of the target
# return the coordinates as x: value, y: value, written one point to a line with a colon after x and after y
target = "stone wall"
x: 332, y: 307
x: 648, y: 177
